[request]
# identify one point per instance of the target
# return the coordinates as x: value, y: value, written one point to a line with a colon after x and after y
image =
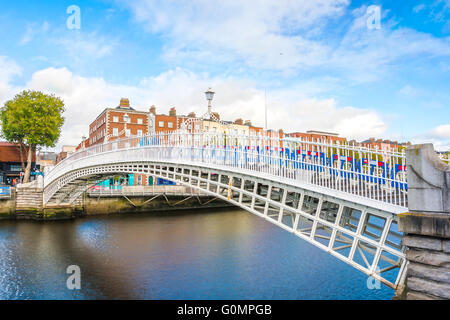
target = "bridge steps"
x: 29, y: 196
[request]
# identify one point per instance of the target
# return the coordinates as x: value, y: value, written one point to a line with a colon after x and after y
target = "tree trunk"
x: 21, y: 147
x: 26, y: 177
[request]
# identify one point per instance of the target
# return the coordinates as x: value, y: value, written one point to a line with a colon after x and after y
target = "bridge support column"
x: 427, y: 225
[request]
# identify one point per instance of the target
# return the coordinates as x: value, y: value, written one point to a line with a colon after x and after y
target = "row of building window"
x: 98, y: 124
x: 127, y: 119
x: 127, y: 132
x: 98, y: 136
x: 232, y: 131
x: 169, y: 124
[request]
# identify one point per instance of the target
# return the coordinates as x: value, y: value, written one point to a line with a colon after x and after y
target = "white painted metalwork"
x: 341, y: 198
x: 145, y: 191
x: 364, y: 173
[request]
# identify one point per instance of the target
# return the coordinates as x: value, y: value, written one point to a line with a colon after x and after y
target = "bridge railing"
x: 363, y: 172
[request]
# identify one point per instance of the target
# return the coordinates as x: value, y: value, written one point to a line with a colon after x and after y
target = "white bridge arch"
x: 333, y: 196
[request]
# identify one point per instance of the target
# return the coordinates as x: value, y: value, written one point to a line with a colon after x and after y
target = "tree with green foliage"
x: 32, y: 120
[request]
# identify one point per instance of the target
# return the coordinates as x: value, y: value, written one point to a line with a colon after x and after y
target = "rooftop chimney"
x: 125, y: 103
x: 153, y: 110
x: 172, y: 112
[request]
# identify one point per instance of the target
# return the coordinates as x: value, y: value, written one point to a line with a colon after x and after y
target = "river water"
x: 229, y: 254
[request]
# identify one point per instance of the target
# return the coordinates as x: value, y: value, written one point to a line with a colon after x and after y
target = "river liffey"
x: 229, y: 254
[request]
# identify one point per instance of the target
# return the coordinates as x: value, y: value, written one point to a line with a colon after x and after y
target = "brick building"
x: 125, y: 121
x: 318, y: 136
x: 194, y: 124
x: 252, y: 130
x: 65, y: 152
x: 163, y: 122
x: 383, y: 145
x: 120, y: 122
x: 11, y: 166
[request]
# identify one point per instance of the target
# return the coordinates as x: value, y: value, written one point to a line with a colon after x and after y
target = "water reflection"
x: 223, y: 255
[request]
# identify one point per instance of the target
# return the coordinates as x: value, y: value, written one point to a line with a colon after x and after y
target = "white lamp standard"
x: 210, y: 115
x: 209, y: 96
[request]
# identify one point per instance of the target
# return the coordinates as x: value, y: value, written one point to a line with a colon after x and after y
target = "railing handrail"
x: 367, y: 172
x: 287, y: 139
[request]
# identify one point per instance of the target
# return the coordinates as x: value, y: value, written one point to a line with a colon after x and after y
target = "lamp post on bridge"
x: 209, y: 96
x: 209, y: 114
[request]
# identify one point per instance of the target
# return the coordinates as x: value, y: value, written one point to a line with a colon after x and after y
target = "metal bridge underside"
x: 362, y: 236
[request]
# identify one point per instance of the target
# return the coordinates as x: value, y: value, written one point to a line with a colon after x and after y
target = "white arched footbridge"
x: 341, y: 198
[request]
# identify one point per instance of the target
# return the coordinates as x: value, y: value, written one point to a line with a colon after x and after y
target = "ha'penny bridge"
x: 355, y: 203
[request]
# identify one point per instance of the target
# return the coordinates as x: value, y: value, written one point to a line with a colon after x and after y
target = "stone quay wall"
x: 26, y: 203
x: 427, y: 225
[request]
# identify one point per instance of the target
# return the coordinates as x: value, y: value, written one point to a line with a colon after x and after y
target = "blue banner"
x: 5, y: 191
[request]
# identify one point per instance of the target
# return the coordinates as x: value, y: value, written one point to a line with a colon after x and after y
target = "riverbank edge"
x: 93, y: 206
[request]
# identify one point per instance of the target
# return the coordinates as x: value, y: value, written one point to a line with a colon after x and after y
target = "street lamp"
x: 209, y: 96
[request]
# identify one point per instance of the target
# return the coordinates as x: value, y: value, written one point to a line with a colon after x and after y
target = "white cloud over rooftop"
x: 86, y: 97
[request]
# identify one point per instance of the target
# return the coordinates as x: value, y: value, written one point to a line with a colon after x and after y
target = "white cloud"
x: 440, y: 9
x: 439, y: 136
x: 285, y: 35
x: 325, y: 115
x: 32, y: 30
x: 80, y: 46
x: 441, y: 132
x: 290, y: 36
x: 367, y: 55
x: 291, y: 110
x: 409, y: 91
x: 9, y: 70
x: 240, y: 30
x: 419, y: 7
x: 85, y: 98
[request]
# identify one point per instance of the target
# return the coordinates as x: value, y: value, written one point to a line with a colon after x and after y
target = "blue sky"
x: 321, y: 65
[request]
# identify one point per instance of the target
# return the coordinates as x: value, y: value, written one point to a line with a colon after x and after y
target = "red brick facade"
x: 117, y: 123
x: 164, y: 123
x: 318, y: 137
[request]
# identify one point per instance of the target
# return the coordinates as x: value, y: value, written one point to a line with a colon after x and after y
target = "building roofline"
x: 322, y: 132
x: 115, y: 109
x: 123, y: 109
